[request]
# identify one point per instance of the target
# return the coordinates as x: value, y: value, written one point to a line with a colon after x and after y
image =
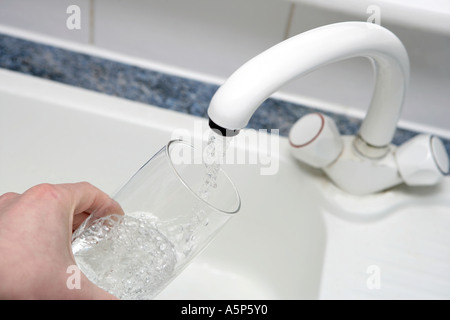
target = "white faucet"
x: 360, y: 164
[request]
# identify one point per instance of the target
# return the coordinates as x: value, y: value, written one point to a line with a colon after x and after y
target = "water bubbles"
x: 135, y: 255
x: 130, y: 258
x: 214, y: 156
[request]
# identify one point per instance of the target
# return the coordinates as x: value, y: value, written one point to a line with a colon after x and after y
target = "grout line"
x: 93, y: 50
x: 178, y: 72
x: 289, y: 21
x: 91, y: 21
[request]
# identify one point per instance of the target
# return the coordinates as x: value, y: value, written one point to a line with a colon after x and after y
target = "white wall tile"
x: 431, y: 15
x: 213, y: 37
x: 46, y: 16
x: 350, y: 83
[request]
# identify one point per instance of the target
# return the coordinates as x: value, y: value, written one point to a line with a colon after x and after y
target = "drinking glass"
x: 174, y: 206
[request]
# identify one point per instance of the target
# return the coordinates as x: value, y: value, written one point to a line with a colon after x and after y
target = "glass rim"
x: 180, y: 178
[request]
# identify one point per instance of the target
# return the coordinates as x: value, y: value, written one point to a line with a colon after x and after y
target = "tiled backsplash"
x: 213, y: 38
x: 47, y: 17
x: 209, y: 36
x: 152, y: 87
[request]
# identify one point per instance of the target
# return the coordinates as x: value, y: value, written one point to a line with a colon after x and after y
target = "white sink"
x: 297, y: 236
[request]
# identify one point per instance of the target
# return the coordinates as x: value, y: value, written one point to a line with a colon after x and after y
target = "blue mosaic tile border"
x: 151, y: 87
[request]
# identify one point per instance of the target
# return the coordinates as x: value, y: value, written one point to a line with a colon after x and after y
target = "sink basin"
x: 297, y: 236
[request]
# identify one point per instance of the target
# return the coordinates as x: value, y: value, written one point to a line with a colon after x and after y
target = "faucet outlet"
x: 360, y: 164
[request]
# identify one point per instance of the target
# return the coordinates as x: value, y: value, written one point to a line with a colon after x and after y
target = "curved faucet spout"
x: 238, y: 98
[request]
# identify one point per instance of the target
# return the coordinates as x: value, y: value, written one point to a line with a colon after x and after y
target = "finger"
x: 87, y: 199
x: 7, y: 197
x: 78, y: 220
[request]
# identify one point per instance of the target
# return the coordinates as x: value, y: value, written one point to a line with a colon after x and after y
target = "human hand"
x: 35, y: 240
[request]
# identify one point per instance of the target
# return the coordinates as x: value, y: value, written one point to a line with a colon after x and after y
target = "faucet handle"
x: 315, y: 140
x: 423, y: 160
